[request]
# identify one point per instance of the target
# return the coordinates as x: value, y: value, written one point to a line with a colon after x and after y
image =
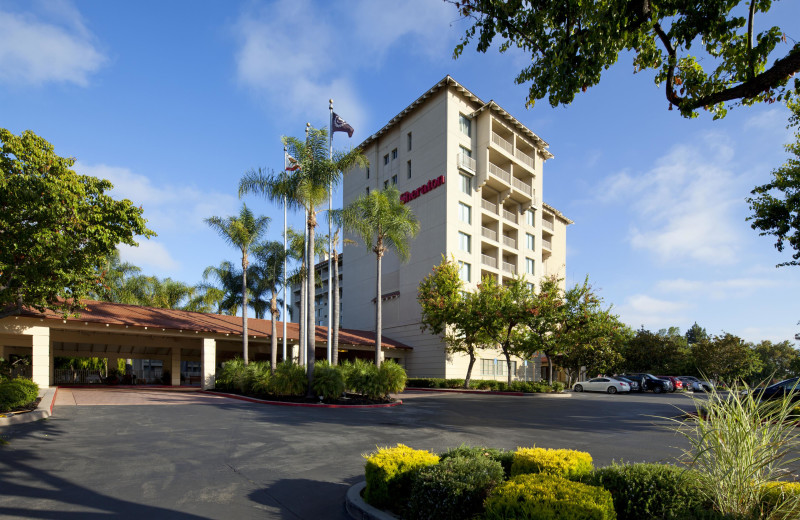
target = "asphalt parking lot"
x: 223, y: 459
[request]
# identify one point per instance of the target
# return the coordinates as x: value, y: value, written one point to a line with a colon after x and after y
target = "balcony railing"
x: 510, y: 215
x: 547, y: 244
x: 502, y: 143
x: 489, y: 206
x: 491, y: 234
x: 510, y: 242
x: 525, y: 158
x: 547, y: 224
x: 499, y: 172
x: 489, y: 260
x: 524, y: 187
x: 509, y: 268
x: 466, y: 162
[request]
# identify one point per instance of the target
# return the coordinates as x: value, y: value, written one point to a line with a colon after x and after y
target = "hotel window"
x: 409, y: 141
x: 466, y: 184
x: 394, y: 154
x: 367, y: 172
x: 531, y: 218
x: 501, y: 367
x: 408, y: 168
x: 530, y: 241
x: 386, y: 159
x: 367, y: 190
x: 465, y: 152
x: 464, y: 271
x: 464, y: 242
x: 487, y: 367
x: 531, y: 287
x: 529, y: 265
x: 385, y: 184
x: 465, y: 213
x: 465, y: 125
x: 394, y: 180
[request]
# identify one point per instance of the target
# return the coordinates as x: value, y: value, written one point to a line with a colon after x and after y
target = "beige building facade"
x: 472, y: 174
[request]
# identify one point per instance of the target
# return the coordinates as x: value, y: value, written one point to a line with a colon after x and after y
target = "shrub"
x: 357, y: 375
x: 569, y: 464
x: 558, y: 386
x: 454, y: 489
x: 393, y: 378
x: 231, y: 372
x: 651, y: 491
x: 389, y: 473
x: 420, y: 382
x: 18, y: 392
x: 256, y: 377
x: 328, y: 380
x: 288, y: 379
x: 548, y: 497
x: 505, y: 458
x: 780, y: 501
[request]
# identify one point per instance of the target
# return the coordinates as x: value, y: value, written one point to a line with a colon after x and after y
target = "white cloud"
x: 683, y: 208
x: 51, y: 44
x: 641, y: 309
x: 150, y: 255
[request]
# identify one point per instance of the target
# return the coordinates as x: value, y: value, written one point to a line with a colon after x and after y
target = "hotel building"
x: 472, y: 174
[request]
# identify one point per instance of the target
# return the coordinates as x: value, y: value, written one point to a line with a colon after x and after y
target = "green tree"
x: 243, y: 232
x: 778, y: 360
x: 572, y: 42
x: 57, y: 227
x: 383, y: 223
x: 726, y: 357
x: 776, y: 205
x: 695, y: 334
x: 271, y: 256
x: 664, y: 352
x: 224, y: 297
x: 543, y: 330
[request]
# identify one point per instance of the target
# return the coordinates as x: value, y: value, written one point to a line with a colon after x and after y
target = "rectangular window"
x: 386, y: 159
x: 465, y: 125
x: 466, y: 184
x: 409, y: 141
x: 394, y: 180
x: 367, y: 190
x: 385, y: 184
x: 530, y: 241
x: 464, y: 271
x: 487, y: 367
x: 408, y: 168
x: 529, y: 265
x: 465, y: 152
x: 531, y: 217
x: 531, y: 287
x: 367, y: 172
x: 394, y: 154
x: 465, y: 213
x: 464, y: 242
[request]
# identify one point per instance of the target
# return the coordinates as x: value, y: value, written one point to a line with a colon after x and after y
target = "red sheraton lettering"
x: 425, y: 188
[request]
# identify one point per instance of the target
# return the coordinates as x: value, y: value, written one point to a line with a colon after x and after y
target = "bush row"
x: 330, y: 382
x: 536, y: 483
x: 18, y: 392
x: 529, y: 387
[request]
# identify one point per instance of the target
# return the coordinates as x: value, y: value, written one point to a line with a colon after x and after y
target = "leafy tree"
x: 571, y: 43
x: 778, y: 360
x: 545, y: 324
x: 243, y: 232
x: 271, y: 256
x: 384, y: 223
x: 726, y: 357
x: 664, y: 352
x: 57, y: 227
x: 776, y: 205
x: 695, y: 334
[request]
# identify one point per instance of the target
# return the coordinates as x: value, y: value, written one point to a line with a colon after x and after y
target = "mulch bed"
x: 24, y: 409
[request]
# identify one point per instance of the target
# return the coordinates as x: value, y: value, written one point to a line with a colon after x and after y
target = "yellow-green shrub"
x: 569, y: 464
x: 548, y: 497
x: 389, y: 473
x: 781, y: 499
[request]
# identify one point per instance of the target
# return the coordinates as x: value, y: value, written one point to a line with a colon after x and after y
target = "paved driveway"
x: 130, y: 396
x: 230, y: 459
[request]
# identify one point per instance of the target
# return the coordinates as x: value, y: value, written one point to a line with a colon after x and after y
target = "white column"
x: 208, y: 363
x: 175, y: 369
x: 41, y: 356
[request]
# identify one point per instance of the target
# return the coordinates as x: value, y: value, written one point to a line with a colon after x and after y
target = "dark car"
x: 786, y: 388
x: 677, y: 384
x: 649, y: 382
x: 633, y: 384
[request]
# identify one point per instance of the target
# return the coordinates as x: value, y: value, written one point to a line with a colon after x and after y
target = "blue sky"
x: 174, y: 101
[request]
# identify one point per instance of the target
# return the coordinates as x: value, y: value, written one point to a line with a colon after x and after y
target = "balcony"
x: 466, y: 162
x: 489, y: 261
x: 489, y: 233
x: 547, y: 224
x: 500, y: 173
x: 489, y: 206
x: 547, y: 244
x: 510, y: 215
x: 502, y: 143
x: 509, y: 268
x: 525, y: 158
x: 522, y: 186
x: 510, y: 242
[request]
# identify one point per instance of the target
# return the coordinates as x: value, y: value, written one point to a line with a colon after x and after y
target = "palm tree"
x: 306, y: 189
x: 383, y: 222
x: 270, y: 256
x: 242, y: 232
x: 257, y: 289
x: 224, y: 298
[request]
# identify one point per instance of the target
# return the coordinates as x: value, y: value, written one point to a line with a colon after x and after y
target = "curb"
x: 301, y: 405
x: 43, y: 410
x: 360, y: 510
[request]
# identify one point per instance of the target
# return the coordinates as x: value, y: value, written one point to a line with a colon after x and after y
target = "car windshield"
x: 787, y: 383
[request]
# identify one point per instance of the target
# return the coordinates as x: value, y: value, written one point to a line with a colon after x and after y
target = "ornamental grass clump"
x: 288, y: 379
x: 328, y: 380
x: 570, y: 464
x: 389, y: 473
x: 738, y: 444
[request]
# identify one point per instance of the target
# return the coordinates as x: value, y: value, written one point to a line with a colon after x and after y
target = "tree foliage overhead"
x: 706, y: 54
x: 57, y: 227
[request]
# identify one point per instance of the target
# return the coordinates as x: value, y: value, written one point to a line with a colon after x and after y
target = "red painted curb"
x: 457, y: 391
x: 53, y: 402
x: 301, y: 405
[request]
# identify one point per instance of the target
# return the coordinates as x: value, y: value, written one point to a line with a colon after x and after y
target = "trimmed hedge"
x: 548, y: 497
x: 453, y: 489
x: 528, y: 387
x: 389, y: 473
x: 570, y: 464
x: 17, y: 392
x: 505, y: 458
x: 781, y: 499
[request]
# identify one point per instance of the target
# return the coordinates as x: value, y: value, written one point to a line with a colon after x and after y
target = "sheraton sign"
x: 425, y: 188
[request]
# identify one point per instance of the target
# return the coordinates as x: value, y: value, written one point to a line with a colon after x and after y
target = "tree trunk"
x: 273, y: 343
x: 549, y: 368
x: 244, y: 306
x: 335, y: 310
x: 378, y: 317
x: 301, y: 325
x: 469, y: 369
x: 311, y: 335
x: 508, y: 364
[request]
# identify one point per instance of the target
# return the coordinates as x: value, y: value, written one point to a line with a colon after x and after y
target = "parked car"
x: 677, y: 384
x: 696, y: 385
x: 649, y: 382
x: 633, y: 384
x: 786, y: 388
x: 602, y: 384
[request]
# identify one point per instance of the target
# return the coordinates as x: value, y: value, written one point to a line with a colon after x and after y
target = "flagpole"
x: 309, y: 267
x: 285, y: 280
x: 330, y: 238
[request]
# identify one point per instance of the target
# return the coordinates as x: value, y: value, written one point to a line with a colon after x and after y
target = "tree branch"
x: 672, y: 97
x: 752, y: 64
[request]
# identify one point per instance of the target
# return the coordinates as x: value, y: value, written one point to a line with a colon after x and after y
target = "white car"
x: 696, y: 385
x: 602, y: 384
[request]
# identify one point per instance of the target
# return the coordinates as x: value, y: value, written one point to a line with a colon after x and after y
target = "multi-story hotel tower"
x: 472, y: 174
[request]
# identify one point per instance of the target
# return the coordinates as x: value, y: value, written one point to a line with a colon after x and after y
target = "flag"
x: 291, y: 163
x: 340, y: 125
